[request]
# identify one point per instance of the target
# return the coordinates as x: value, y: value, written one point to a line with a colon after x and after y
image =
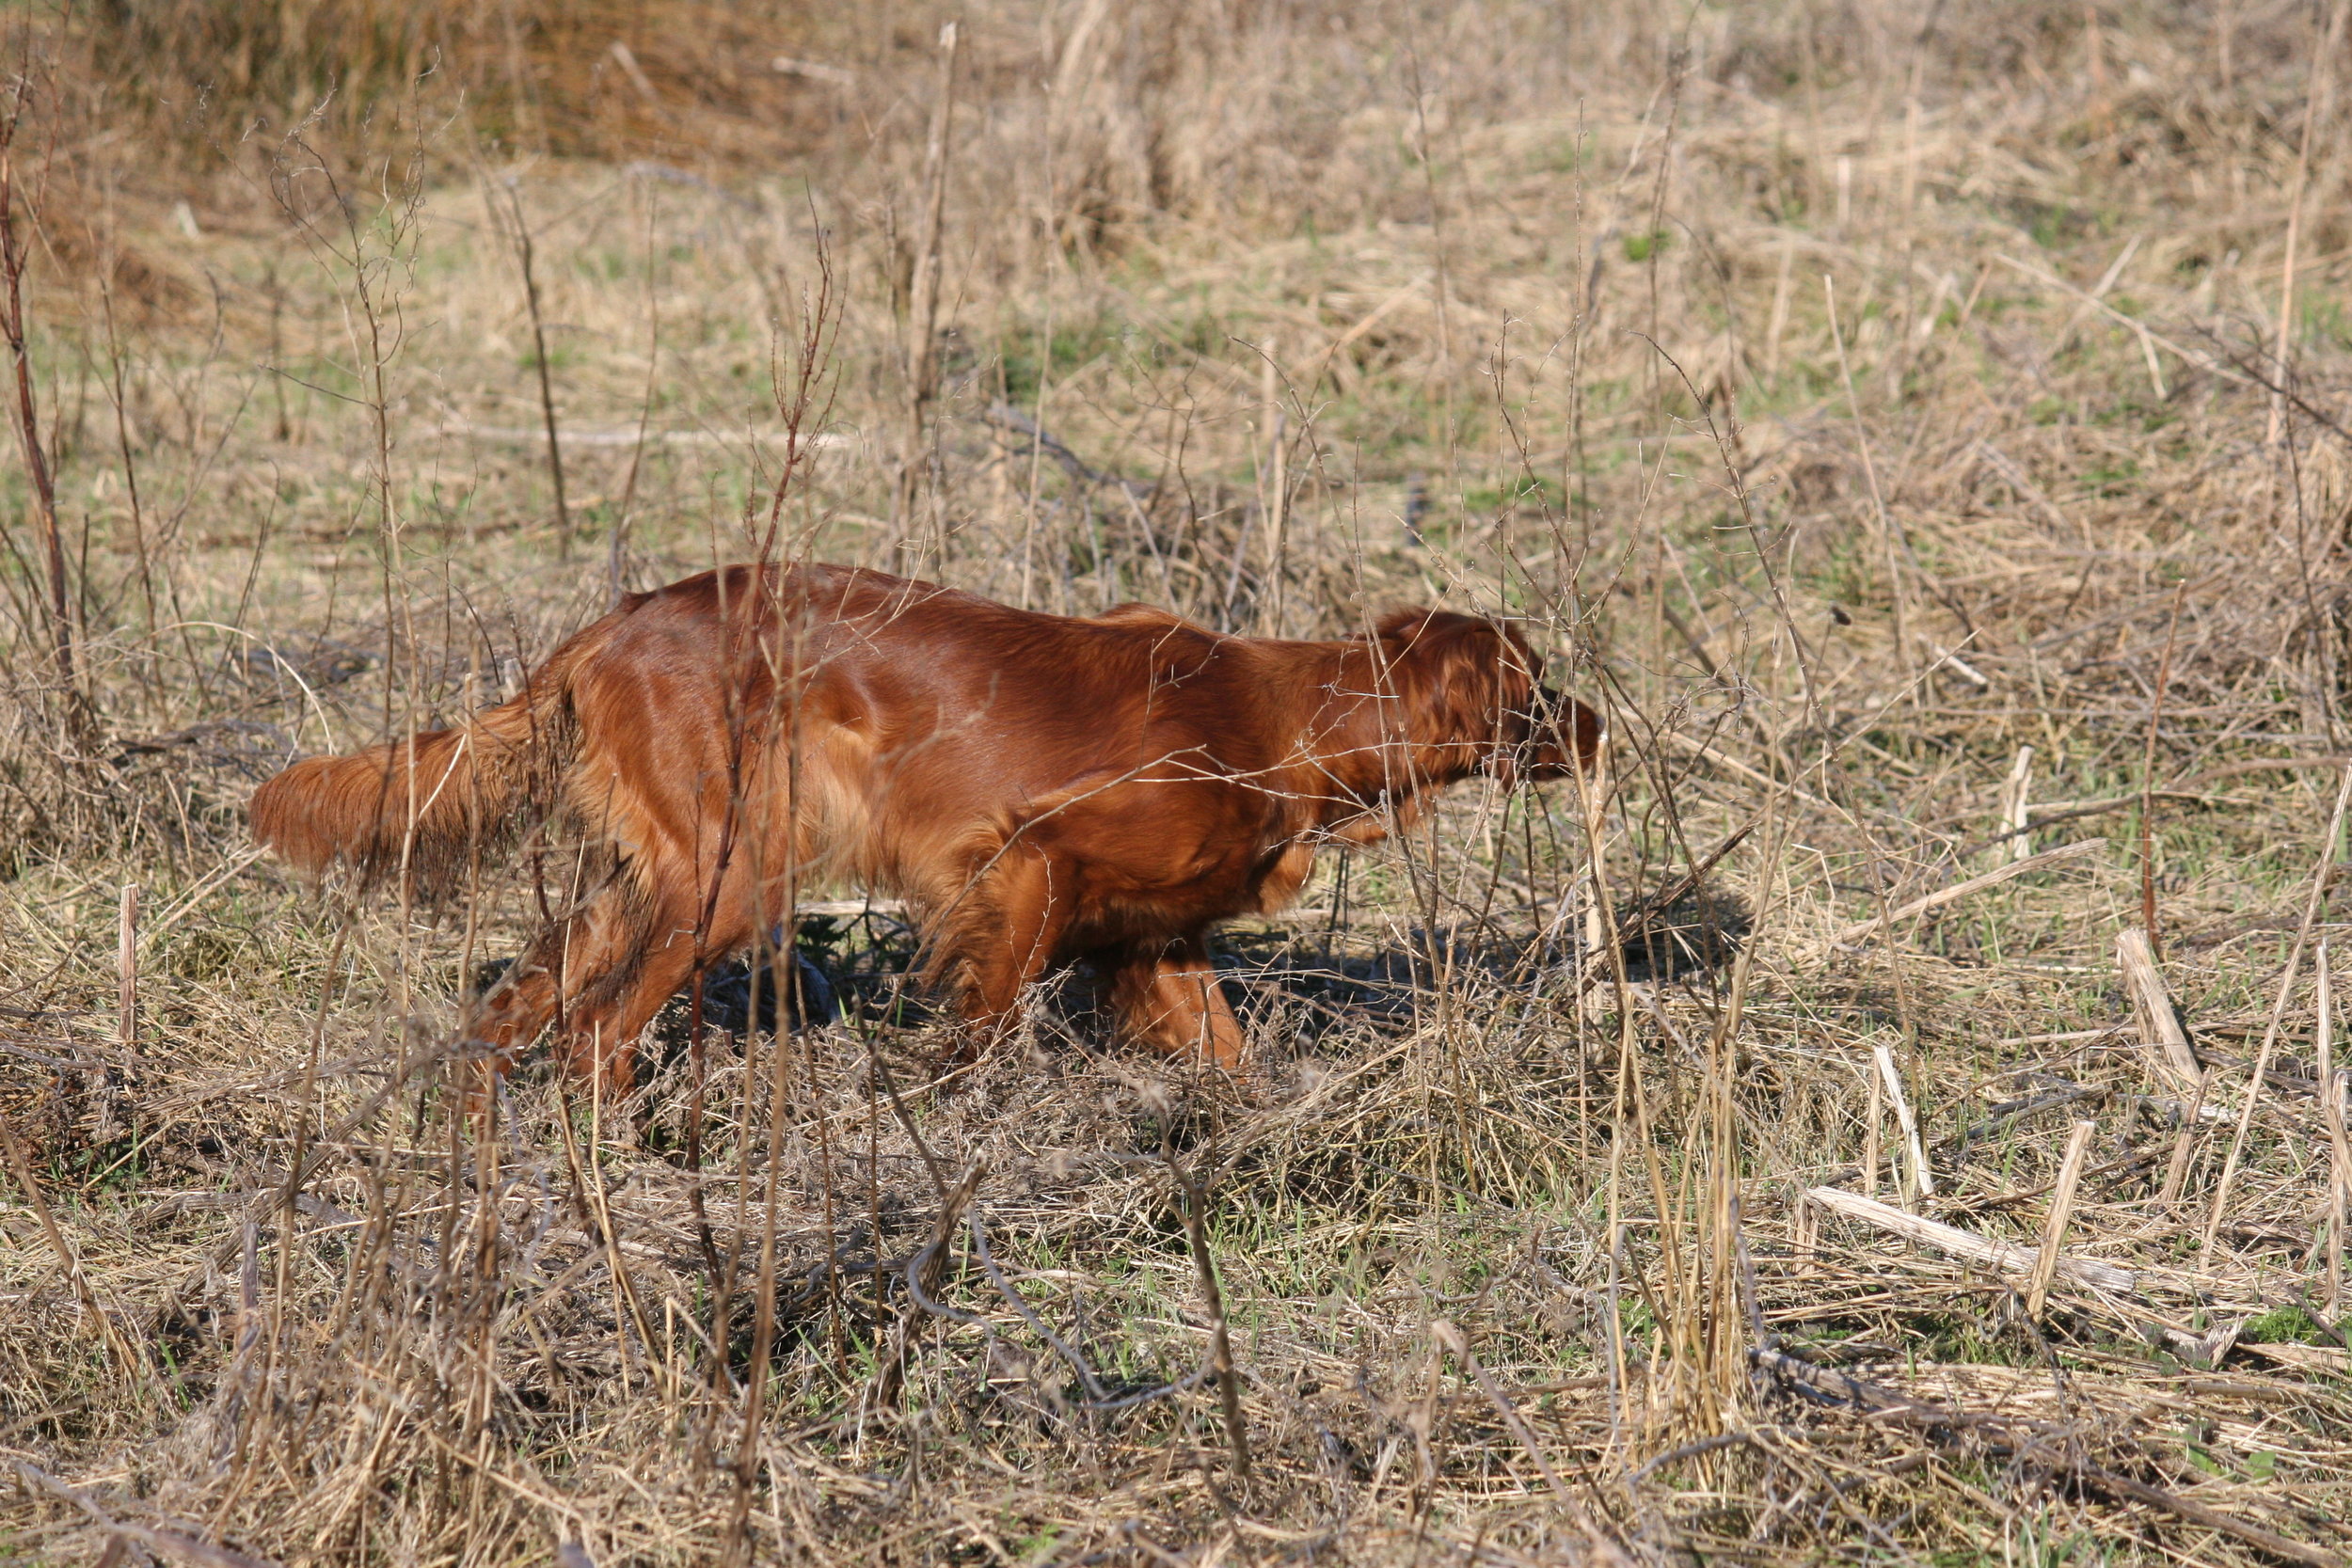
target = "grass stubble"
x: 1924, y: 436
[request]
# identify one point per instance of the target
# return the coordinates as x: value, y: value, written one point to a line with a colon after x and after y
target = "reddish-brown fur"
x: 1040, y: 789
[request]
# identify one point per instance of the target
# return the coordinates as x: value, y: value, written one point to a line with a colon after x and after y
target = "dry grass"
x: 1321, y: 310
x: 580, y: 79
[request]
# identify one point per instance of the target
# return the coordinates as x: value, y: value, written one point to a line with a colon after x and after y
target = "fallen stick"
x: 1708, y: 753
x: 2181, y: 1110
x: 21, y: 1166
x: 1604, y: 1550
x: 2048, y: 815
x: 2149, y: 341
x: 2212, y: 1518
x: 2264, y: 764
x: 2065, y: 1037
x: 150, y: 930
x: 1975, y: 884
x: 2004, y: 1256
x: 1450, y: 1337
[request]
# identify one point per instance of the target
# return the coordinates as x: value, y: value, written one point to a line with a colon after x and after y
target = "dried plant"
x: 1922, y: 432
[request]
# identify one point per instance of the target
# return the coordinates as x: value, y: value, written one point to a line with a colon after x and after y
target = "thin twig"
x: 922, y: 325
x: 523, y: 256
x: 2332, y: 1110
x: 2278, y: 1011
x: 2147, y: 784
x: 1192, y: 1201
x: 1969, y: 1431
x: 163, y: 1542
x: 1028, y: 1314
x: 21, y: 1166
x: 44, y: 494
x: 1452, y: 1338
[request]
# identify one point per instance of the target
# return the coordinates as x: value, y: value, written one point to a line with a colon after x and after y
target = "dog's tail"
x: 425, y: 809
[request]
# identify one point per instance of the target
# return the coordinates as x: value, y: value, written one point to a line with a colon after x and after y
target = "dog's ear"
x: 1463, y: 676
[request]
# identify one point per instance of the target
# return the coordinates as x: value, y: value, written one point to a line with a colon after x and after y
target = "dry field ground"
x: 1923, y: 426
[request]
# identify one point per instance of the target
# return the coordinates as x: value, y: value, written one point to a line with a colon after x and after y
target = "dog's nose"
x: 1556, y: 715
x: 1574, y: 729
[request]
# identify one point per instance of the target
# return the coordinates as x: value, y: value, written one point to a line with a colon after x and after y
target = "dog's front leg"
x: 998, y: 942
x: 1168, y: 996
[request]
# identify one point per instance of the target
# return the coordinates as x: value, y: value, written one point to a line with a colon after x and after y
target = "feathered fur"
x: 1042, y: 789
x: 427, y: 809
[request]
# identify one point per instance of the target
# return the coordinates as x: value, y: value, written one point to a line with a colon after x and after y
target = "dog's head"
x: 1472, y: 683
x: 1562, y: 738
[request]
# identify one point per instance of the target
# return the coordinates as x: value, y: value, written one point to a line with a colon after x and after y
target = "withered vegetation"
x: 1924, y: 427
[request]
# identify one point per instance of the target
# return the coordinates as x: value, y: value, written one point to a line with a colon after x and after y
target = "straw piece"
x: 127, y: 971
x: 1919, y: 1172
x: 2159, y: 1021
x: 2062, y: 1212
x: 2017, y: 806
x: 2339, y: 1146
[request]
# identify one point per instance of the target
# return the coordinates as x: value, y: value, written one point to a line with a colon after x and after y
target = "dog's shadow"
x: 1305, y: 982
x: 1311, y: 983
x: 858, y: 967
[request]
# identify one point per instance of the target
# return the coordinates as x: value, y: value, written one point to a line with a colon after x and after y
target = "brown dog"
x: 1040, y: 789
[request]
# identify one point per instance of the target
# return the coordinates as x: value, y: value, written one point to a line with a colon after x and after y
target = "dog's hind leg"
x: 612, y: 965
x: 612, y: 1007
x: 1167, y: 995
